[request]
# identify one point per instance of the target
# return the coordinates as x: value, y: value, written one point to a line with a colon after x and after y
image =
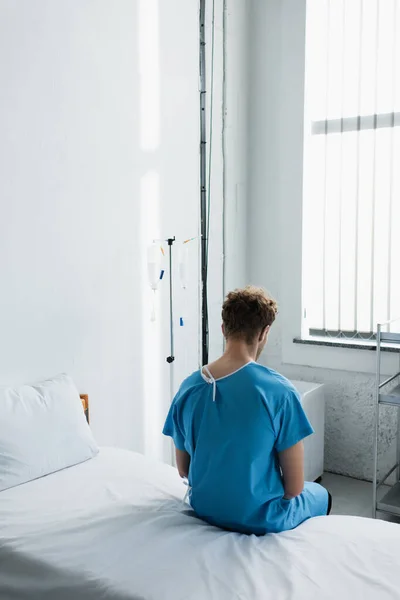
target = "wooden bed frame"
x: 85, y: 404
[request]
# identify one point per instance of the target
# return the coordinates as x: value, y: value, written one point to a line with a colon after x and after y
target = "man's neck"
x: 236, y: 355
x: 232, y: 360
x: 239, y: 351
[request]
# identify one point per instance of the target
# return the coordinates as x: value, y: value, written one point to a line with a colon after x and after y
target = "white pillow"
x: 43, y: 429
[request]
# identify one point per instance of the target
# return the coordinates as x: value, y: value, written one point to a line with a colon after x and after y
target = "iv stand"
x: 171, y: 357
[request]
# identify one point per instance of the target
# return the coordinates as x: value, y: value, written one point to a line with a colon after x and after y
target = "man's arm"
x: 182, y: 462
x: 292, y: 464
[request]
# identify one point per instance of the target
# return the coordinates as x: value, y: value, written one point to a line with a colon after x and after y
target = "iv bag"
x: 154, y: 265
x: 183, y: 264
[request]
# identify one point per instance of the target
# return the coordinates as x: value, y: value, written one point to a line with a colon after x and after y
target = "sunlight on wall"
x: 153, y: 412
x: 152, y: 376
x: 149, y: 94
x: 149, y: 68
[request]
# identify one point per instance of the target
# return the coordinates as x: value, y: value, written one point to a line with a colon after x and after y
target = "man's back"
x: 232, y: 428
x: 238, y: 429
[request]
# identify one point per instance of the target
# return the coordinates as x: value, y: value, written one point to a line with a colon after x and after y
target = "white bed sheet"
x: 115, y: 528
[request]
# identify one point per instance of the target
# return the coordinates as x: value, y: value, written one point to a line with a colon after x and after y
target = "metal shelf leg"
x: 376, y: 429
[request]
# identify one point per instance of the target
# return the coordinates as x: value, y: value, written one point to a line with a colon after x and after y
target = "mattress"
x: 115, y: 528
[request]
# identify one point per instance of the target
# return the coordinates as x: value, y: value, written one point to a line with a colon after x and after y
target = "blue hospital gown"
x: 233, y: 431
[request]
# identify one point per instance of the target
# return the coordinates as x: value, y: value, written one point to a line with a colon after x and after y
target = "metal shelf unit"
x: 386, y: 395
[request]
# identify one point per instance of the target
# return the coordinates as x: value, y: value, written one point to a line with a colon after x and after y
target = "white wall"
x: 276, y: 69
x: 99, y: 143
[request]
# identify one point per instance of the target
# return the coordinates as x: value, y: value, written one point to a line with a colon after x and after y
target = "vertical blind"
x: 351, y: 230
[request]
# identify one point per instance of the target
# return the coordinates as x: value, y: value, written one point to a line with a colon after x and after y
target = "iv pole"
x: 171, y: 357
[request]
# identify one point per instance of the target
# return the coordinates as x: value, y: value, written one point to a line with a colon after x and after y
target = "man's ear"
x: 223, y: 329
x: 264, y: 333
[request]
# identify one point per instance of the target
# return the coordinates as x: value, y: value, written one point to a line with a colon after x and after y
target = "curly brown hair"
x: 247, y: 312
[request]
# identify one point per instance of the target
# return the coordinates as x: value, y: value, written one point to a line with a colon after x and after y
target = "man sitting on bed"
x: 238, y: 429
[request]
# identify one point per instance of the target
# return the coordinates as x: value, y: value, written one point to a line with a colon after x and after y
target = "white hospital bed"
x: 115, y: 527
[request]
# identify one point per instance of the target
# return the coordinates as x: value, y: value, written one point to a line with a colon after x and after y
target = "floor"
x: 350, y: 496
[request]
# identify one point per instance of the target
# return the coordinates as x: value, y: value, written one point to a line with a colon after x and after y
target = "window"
x: 351, y: 225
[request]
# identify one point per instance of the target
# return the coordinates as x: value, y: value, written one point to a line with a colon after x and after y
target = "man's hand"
x: 292, y: 465
x: 182, y: 462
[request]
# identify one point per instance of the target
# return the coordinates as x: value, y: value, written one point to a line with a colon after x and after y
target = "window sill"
x: 343, y: 343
